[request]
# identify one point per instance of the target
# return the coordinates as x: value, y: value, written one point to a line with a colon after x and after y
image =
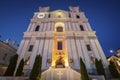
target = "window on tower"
x: 69, y: 15
x: 48, y: 15
x: 59, y: 16
x: 59, y: 29
x: 59, y: 45
x: 30, y: 48
x: 81, y: 28
x: 88, y: 47
x: 77, y: 16
x: 37, y: 28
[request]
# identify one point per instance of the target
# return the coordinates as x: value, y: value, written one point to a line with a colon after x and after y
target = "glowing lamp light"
x: 111, y: 51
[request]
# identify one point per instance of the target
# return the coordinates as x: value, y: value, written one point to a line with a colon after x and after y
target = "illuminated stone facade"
x: 116, y: 59
x: 61, y: 38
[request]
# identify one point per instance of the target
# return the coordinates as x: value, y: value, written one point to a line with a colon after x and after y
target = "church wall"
x: 48, y: 26
x: 88, y: 26
x: 69, y: 27
x: 75, y: 58
x: 82, y: 15
x: 41, y: 46
x: 77, y: 26
x: 44, y: 55
x: 29, y: 27
x: 25, y: 47
x: 94, y: 48
x: 41, y: 27
x: 78, y: 46
x: 70, y: 55
x: 21, y: 47
x: 76, y: 40
x: 49, y: 55
x: 52, y: 26
x: 32, y: 27
x: 45, y: 26
x: 34, y: 53
x: 86, y: 57
x: 66, y: 28
x: 101, y: 53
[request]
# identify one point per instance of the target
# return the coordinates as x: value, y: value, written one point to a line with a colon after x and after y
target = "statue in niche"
x: 60, y: 63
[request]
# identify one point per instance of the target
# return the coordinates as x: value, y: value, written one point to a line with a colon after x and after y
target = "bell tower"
x: 59, y: 53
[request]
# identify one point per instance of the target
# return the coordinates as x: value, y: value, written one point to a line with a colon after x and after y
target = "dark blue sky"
x: 103, y: 15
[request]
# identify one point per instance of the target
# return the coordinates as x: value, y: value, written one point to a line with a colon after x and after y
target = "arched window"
x: 59, y: 16
x: 81, y: 28
x: 59, y: 45
x: 69, y: 15
x: 37, y: 28
x: 88, y: 47
x: 77, y: 16
x: 30, y: 48
x: 48, y: 15
x: 59, y: 29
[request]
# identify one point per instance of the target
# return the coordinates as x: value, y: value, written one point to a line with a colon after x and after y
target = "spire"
x: 44, y: 9
x: 74, y: 9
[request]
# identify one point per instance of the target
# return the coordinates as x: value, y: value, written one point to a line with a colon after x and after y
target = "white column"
x: 86, y: 56
x: 101, y: 53
x: 94, y: 48
x: 69, y: 49
x: 77, y: 26
x: 83, y: 15
x: 80, y: 53
x: 40, y: 50
x: 71, y: 15
x: 69, y: 26
x: 21, y: 47
x: 85, y: 27
x: 50, y: 50
x: 45, y: 25
x: 41, y: 27
x: 66, y: 29
x: 48, y: 26
x: 45, y: 51
x: 33, y: 54
x: 75, y: 58
x: 52, y: 26
x: 32, y: 27
x: 28, y: 29
x: 89, y: 27
x: 24, y: 49
x: 73, y: 26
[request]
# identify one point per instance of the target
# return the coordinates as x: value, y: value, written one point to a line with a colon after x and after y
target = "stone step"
x: 60, y: 74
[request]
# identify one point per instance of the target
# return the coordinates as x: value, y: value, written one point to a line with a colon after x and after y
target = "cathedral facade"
x: 61, y: 38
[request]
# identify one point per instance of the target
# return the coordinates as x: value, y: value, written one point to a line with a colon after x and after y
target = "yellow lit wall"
x: 59, y: 36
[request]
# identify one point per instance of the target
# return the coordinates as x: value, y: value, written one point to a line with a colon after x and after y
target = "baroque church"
x: 61, y: 38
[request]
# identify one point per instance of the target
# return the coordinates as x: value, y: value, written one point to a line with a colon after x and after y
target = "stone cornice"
x: 59, y: 19
x: 68, y: 34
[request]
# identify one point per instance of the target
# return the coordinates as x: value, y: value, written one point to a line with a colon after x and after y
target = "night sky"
x: 103, y: 15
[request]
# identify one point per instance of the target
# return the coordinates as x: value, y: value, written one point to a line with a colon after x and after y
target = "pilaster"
x: 34, y: 54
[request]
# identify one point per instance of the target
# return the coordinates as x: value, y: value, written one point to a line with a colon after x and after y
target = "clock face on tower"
x: 41, y: 15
